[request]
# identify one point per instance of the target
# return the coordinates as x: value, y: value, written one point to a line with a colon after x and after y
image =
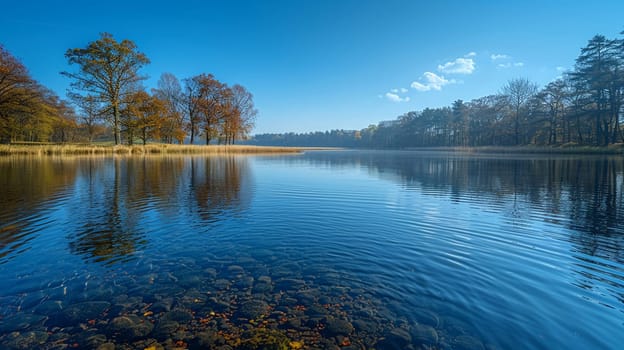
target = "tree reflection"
x: 110, y: 230
x: 216, y: 185
x: 24, y: 194
x: 125, y: 200
x: 584, y: 192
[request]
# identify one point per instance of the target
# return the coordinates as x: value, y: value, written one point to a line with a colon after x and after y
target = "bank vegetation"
x: 107, y: 101
x: 150, y: 149
x: 580, y: 111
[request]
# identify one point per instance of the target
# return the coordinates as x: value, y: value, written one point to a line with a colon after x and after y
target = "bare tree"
x: 519, y: 92
x: 242, y: 120
x: 170, y: 92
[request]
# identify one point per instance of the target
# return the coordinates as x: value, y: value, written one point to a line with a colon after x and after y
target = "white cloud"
x: 396, y: 98
x: 459, y: 66
x: 560, y: 69
x: 470, y: 54
x: 432, y: 81
x: 499, y: 56
x: 510, y: 64
x: 396, y: 91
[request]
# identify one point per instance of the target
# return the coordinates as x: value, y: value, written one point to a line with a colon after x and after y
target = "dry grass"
x: 164, y: 149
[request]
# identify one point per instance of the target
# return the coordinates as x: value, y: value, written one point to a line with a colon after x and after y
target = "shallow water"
x: 346, y: 249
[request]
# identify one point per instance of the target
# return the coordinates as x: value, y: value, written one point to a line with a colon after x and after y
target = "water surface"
x: 346, y: 249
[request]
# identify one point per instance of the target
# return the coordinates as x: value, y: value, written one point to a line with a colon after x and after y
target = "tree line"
x: 583, y: 107
x: 107, y: 100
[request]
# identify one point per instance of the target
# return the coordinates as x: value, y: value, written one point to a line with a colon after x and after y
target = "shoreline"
x: 149, y: 149
x: 617, y: 149
x: 174, y: 149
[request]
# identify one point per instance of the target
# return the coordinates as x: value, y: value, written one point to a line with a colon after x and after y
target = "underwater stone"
x: 20, y: 322
x: 336, y: 326
x: 426, y: 317
x: 181, y: 316
x: 423, y: 334
x: 465, y: 342
x: 81, y: 312
x: 27, y: 340
x: 252, y: 309
x: 131, y: 326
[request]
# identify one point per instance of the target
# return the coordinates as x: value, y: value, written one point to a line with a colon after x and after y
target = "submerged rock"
x: 465, y: 342
x: 289, y: 284
x: 49, y: 307
x: 181, y: 316
x: 264, y: 339
x: 106, y: 346
x: 252, y: 309
x: 262, y: 287
x: 336, y: 326
x: 396, y: 338
x: 235, y: 271
x: 455, y: 326
x: 364, y: 326
x: 222, y: 284
x: 164, y: 329
x: 20, y: 322
x: 88, y: 339
x: 131, y: 327
x: 244, y: 282
x: 218, y: 305
x: 205, y: 340
x: 426, y: 317
x: 163, y: 305
x: 423, y: 334
x: 81, y: 312
x: 306, y: 298
x: 27, y: 340
x: 210, y: 273
x: 264, y: 279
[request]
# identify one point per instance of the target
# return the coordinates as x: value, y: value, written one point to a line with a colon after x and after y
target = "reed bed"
x: 152, y: 149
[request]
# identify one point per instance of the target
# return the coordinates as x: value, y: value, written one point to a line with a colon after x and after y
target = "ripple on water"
x: 327, y: 249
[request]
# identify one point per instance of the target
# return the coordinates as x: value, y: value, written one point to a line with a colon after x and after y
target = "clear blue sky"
x: 319, y: 65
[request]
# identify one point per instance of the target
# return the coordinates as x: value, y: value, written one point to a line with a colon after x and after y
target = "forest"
x: 582, y: 107
x: 107, y: 101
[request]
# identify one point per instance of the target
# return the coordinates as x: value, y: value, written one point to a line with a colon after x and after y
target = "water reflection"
x: 216, y: 183
x: 28, y: 185
x: 117, y: 202
x: 110, y: 207
x: 583, y: 194
x: 394, y: 250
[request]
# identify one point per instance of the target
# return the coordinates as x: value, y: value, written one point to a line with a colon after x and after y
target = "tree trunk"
x: 116, y: 129
x: 517, y: 126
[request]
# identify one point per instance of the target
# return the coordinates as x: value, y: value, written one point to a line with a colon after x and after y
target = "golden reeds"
x: 164, y: 149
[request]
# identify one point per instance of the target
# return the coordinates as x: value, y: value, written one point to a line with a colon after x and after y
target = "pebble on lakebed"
x: 231, y: 308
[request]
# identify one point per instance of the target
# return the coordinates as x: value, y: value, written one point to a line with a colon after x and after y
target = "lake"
x: 328, y: 249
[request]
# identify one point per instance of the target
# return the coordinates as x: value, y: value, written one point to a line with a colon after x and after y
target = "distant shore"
x: 616, y: 149
x: 36, y: 149
x: 150, y: 149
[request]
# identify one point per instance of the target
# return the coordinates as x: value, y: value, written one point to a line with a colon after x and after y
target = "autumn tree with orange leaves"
x: 142, y: 116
